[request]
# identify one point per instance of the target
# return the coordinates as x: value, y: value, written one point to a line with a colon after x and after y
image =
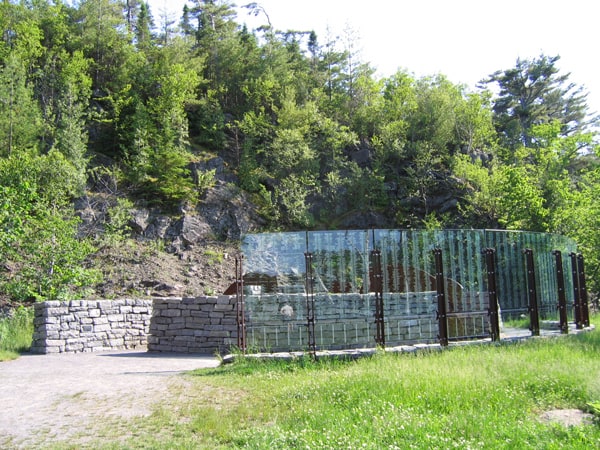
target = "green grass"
x: 16, y: 333
x: 471, y: 397
x: 214, y: 256
x: 523, y: 322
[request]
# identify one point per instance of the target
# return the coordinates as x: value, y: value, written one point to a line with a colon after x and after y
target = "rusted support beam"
x: 378, y: 290
x: 442, y: 316
x: 585, y: 313
x: 577, y: 306
x: 310, y: 303
x: 534, y: 317
x: 493, y: 314
x: 562, y: 299
x: 240, y: 303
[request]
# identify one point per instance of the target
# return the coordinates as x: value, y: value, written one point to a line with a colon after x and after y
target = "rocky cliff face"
x: 192, y: 251
x: 225, y: 214
x: 186, y: 253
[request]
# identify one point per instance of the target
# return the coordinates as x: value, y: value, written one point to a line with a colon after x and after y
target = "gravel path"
x: 49, y: 397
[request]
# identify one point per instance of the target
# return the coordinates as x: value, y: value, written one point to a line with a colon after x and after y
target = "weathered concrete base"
x: 509, y: 335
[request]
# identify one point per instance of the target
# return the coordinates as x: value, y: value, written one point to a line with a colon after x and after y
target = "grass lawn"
x: 16, y: 333
x: 472, y: 397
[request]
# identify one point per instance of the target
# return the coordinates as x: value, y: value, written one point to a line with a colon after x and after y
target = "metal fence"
x: 362, y: 288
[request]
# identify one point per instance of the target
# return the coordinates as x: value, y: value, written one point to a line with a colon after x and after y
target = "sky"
x: 466, y: 40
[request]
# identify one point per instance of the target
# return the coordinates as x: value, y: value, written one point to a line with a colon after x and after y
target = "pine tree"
x: 533, y: 93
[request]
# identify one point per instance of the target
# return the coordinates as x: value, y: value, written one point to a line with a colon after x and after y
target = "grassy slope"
x: 487, y: 396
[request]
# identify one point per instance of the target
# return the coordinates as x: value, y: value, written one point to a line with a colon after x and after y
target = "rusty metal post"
x: 378, y: 289
x: 240, y: 302
x: 562, y: 299
x: 534, y: 318
x: 490, y: 264
x: 442, y: 316
x: 576, y: 292
x: 310, y: 303
x: 585, y: 313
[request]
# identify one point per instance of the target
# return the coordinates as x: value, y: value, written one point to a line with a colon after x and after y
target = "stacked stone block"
x: 91, y: 326
x: 193, y: 325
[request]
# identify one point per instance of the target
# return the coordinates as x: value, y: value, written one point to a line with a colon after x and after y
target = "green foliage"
x: 481, y: 205
x: 50, y: 259
x: 433, y: 222
x: 16, y: 332
x: 168, y: 178
x: 291, y: 197
x: 290, y: 153
x: 522, y: 203
x: 305, y: 125
x: 205, y: 180
x: 214, y: 256
x: 533, y: 93
x: 70, y: 137
x: 155, y: 136
x: 580, y: 219
x: 434, y: 119
x: 41, y: 244
x: 102, y: 36
x: 21, y: 121
x: 116, y: 228
x: 177, y: 86
x: 474, y: 122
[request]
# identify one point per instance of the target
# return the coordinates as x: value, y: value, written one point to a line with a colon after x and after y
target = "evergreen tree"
x: 143, y: 27
x: 21, y: 125
x: 533, y: 93
x: 71, y: 111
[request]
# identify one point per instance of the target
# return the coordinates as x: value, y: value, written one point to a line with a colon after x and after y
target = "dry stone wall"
x: 91, y: 325
x: 191, y: 325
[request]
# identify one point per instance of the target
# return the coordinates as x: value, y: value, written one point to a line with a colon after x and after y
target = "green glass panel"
x: 275, y: 277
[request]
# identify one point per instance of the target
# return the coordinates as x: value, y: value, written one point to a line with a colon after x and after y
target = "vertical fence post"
x: 442, y: 316
x: 310, y: 303
x: 576, y: 292
x: 490, y: 264
x: 562, y: 299
x: 240, y: 303
x: 585, y: 313
x: 378, y: 289
x: 532, y: 293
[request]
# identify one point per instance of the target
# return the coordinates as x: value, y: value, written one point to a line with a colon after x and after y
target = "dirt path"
x: 49, y: 397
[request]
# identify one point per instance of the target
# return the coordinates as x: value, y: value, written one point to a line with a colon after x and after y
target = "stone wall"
x: 193, y: 325
x: 91, y: 325
x: 190, y: 325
